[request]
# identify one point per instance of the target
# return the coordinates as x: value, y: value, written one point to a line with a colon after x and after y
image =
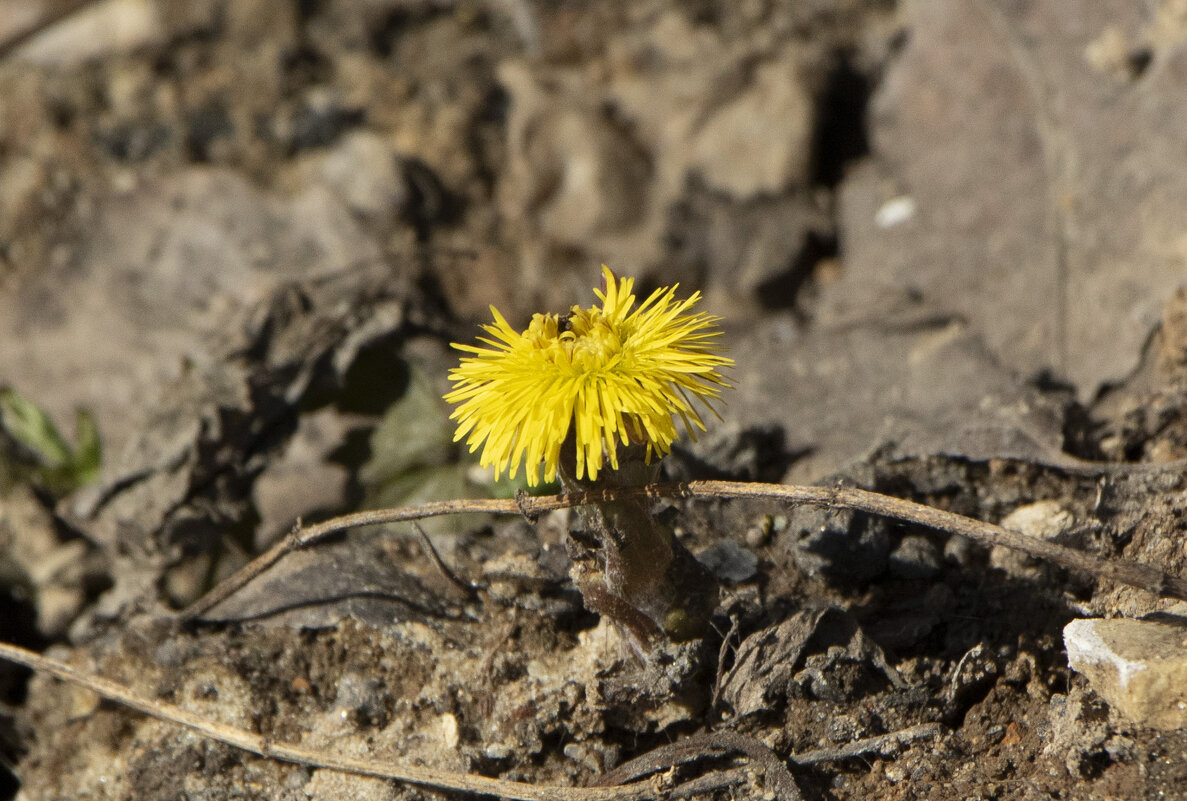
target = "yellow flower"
x: 612, y: 374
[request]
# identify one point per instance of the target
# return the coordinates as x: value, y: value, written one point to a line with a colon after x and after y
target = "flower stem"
x: 649, y: 584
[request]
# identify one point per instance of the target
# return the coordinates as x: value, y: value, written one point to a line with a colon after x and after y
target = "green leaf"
x: 29, y: 425
x: 56, y: 464
x: 88, y: 449
x: 415, y: 431
x: 413, y: 457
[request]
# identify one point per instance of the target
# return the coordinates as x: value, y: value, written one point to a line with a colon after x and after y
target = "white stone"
x: 895, y: 211
x: 1138, y: 666
x: 449, y: 731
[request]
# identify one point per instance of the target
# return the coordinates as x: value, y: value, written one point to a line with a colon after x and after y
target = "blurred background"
x: 1008, y: 176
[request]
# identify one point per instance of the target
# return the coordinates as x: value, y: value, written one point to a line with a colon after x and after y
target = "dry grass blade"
x: 15, y: 40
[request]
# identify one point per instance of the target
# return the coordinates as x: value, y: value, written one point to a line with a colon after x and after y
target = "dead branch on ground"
x: 1134, y: 574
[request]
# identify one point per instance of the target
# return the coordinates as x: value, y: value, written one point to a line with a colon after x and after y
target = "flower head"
x: 613, y: 374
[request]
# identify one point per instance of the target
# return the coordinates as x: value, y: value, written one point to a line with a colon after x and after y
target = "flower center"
x: 588, y: 343
x: 591, y: 343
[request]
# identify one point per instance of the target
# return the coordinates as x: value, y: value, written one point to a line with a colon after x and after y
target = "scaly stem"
x: 650, y: 585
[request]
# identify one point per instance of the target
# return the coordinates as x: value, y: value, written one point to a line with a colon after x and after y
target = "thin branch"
x: 304, y: 537
x: 1134, y: 574
x: 776, y: 778
x: 868, y: 745
x: 726, y: 640
x: 254, y: 743
x: 47, y: 21
x: 467, y: 589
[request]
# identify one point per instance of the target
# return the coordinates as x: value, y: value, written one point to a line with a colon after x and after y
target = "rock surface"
x: 1046, y: 189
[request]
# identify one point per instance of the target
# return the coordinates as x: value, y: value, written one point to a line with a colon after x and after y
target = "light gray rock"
x: 659, y: 141
x: 729, y: 562
x: 1138, y: 666
x: 761, y: 141
x: 906, y: 382
x: 573, y: 173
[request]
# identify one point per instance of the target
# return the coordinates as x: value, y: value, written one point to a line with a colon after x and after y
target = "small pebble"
x: 729, y: 562
x: 1044, y: 519
x: 958, y: 550
x: 498, y: 751
x: 759, y: 535
x: 914, y: 558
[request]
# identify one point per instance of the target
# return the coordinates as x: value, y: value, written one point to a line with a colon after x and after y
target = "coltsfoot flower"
x: 614, y: 374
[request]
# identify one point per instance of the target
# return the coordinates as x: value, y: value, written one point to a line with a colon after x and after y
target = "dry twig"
x: 869, y: 744
x: 776, y: 779
x: 1134, y: 574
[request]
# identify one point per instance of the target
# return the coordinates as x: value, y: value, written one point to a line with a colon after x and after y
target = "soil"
x: 946, y: 249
